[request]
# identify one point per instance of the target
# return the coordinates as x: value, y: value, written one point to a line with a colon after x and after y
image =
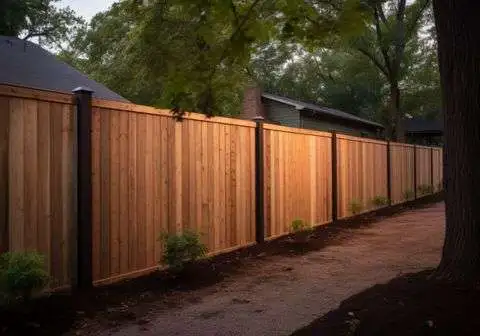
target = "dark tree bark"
x: 459, y: 59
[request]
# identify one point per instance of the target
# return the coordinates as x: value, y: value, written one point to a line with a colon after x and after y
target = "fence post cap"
x: 258, y: 118
x: 82, y: 89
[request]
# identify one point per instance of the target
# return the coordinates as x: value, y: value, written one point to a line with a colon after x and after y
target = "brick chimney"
x: 252, y: 103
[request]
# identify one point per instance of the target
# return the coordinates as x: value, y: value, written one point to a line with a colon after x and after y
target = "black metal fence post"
x: 389, y: 175
x: 334, y: 178
x: 259, y: 181
x: 84, y: 276
x: 415, y: 171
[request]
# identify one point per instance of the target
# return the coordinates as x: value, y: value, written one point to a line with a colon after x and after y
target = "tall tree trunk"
x: 459, y: 60
x: 396, y: 115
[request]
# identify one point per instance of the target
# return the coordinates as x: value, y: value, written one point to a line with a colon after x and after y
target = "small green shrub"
x: 355, y: 207
x: 21, y: 274
x: 408, y: 194
x: 180, y: 249
x: 425, y: 189
x: 299, y: 225
x: 379, y: 201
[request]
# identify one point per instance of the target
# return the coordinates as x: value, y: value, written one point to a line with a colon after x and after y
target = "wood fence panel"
x: 4, y: 128
x: 437, y: 169
x: 362, y: 174
x: 154, y: 175
x: 41, y: 140
x: 424, y: 170
x: 402, y: 166
x: 298, y: 178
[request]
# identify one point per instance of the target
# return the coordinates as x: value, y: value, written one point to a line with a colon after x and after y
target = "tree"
x: 187, y: 55
x: 459, y: 54
x: 332, y: 78
x: 389, y: 41
x: 39, y: 19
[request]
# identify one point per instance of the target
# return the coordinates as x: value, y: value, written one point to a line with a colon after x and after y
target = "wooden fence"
x: 151, y: 174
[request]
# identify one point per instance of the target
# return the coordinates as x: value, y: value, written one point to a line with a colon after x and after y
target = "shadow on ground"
x: 408, y: 305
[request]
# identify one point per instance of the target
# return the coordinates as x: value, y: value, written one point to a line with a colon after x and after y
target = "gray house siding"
x: 283, y: 114
x: 328, y: 126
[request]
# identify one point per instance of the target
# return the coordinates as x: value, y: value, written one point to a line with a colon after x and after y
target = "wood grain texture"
x: 401, y: 156
x: 155, y: 175
x: 298, y: 182
x: 40, y: 181
x: 152, y: 174
x: 362, y: 174
x: 4, y: 199
x: 437, y: 169
x: 423, y: 170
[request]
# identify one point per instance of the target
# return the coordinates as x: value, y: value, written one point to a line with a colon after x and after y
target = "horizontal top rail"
x: 294, y: 130
x: 129, y: 107
x: 358, y: 139
x: 37, y: 94
x: 401, y: 144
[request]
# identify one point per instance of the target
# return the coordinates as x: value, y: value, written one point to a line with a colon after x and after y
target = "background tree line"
x: 372, y: 58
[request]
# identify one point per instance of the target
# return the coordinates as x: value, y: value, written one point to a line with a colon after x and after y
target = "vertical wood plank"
x: 96, y: 193
x: 31, y: 173
x: 68, y: 138
x: 228, y: 185
x: 233, y: 185
x: 57, y: 193
x: 16, y: 175
x: 105, y: 223
x: 157, y: 186
x: 114, y: 192
x: 43, y: 182
x: 149, y: 193
x: 4, y: 164
x: 123, y: 192
x: 132, y: 192
x: 142, y: 192
x: 178, y: 178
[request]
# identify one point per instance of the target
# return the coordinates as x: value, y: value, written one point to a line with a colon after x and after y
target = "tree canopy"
x: 371, y: 58
x: 39, y: 19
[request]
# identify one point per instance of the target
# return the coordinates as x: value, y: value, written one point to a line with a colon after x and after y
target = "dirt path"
x: 284, y: 293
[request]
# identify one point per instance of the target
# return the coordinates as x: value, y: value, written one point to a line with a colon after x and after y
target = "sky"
x: 87, y: 8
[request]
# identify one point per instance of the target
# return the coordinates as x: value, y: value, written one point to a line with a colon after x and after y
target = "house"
x: 24, y: 63
x: 295, y: 113
x: 424, y: 131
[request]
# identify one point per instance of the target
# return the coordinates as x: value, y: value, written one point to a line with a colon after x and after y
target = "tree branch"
x: 416, y: 19
x: 234, y: 10
x: 378, y: 30
x: 45, y: 32
x: 377, y: 63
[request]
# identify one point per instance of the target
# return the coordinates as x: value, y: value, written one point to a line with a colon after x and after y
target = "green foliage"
x: 355, y: 207
x: 21, y: 273
x: 425, y: 189
x: 380, y: 201
x: 332, y: 78
x: 182, y: 249
x: 40, y: 19
x: 299, y: 225
x: 408, y: 194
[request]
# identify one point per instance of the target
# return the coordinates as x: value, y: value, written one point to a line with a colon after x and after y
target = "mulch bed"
x: 409, y: 305
x: 124, y: 301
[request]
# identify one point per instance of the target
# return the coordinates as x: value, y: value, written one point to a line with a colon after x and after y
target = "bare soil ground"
x: 279, y: 294
x: 268, y: 289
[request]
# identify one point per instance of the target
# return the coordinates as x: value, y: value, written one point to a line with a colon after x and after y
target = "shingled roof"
x: 420, y: 125
x: 299, y: 105
x: 27, y: 64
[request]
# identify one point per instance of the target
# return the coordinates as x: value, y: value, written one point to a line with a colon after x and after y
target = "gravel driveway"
x: 281, y: 294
